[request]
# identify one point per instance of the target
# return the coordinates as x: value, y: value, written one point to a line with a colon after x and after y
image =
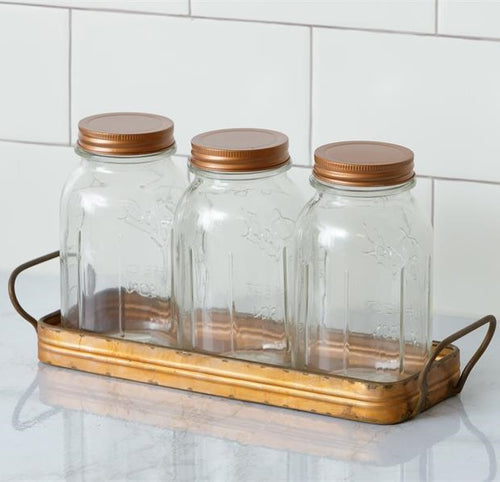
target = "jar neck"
x: 238, y: 176
x: 360, y: 191
x: 146, y: 158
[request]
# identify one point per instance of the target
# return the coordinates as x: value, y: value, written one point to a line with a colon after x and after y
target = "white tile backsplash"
x: 250, y: 65
x: 34, y: 99
x: 32, y: 180
x: 407, y: 15
x: 438, y: 96
x: 203, y: 74
x: 480, y: 18
x: 206, y: 74
x: 176, y: 7
x: 467, y: 241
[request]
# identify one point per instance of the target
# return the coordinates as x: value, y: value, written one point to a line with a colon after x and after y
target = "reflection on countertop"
x: 58, y: 424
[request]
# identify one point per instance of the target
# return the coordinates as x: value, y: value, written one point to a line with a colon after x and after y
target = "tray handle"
x: 422, y: 379
x: 12, y: 285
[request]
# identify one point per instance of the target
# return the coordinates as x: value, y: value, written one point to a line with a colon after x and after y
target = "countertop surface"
x: 58, y: 424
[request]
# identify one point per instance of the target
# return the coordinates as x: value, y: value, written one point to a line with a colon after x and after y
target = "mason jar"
x: 363, y: 253
x: 116, y: 216
x: 232, y: 231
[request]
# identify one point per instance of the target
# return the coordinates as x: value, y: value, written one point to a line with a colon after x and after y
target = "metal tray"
x: 334, y: 395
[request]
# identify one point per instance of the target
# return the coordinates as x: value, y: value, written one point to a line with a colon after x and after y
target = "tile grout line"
x: 70, y: 68
x: 90, y: 9
x: 459, y: 179
x: 267, y: 22
x: 436, y: 16
x: 36, y: 143
x: 433, y: 190
x: 311, y: 50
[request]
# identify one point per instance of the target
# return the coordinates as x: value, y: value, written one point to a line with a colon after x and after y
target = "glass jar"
x: 363, y: 266
x: 117, y: 211
x: 232, y: 231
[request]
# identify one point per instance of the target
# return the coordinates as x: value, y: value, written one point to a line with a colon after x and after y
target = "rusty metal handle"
x: 422, y: 379
x: 12, y: 285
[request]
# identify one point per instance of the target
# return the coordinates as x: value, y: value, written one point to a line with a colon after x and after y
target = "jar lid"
x: 239, y: 150
x: 125, y: 134
x: 363, y: 163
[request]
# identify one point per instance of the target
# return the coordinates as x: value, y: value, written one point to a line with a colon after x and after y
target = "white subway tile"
x: 177, y: 7
x: 438, y: 96
x: 203, y: 74
x: 32, y: 180
x: 467, y: 237
x: 34, y: 96
x: 479, y: 18
x: 407, y: 15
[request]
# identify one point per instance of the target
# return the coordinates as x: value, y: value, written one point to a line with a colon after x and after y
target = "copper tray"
x: 334, y: 395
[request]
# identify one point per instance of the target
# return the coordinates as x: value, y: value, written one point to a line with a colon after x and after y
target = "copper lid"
x: 125, y: 133
x: 239, y: 150
x: 363, y: 163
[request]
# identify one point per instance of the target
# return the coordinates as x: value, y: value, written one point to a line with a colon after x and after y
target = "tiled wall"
x: 423, y: 73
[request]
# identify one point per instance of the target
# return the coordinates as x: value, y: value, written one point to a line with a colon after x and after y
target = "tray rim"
x: 43, y: 324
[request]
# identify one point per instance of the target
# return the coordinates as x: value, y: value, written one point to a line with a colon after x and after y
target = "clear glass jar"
x: 232, y: 231
x: 364, y: 266
x: 116, y: 216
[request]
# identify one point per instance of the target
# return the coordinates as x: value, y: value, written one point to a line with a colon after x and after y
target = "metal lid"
x: 125, y: 133
x: 363, y: 163
x: 239, y: 150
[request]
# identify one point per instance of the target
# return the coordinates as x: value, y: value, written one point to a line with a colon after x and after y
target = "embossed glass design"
x: 116, y: 219
x: 363, y: 282
x: 231, y: 237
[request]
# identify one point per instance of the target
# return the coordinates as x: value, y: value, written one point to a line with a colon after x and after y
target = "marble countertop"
x: 57, y: 424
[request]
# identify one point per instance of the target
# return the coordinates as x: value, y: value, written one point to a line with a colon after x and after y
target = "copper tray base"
x: 334, y: 395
